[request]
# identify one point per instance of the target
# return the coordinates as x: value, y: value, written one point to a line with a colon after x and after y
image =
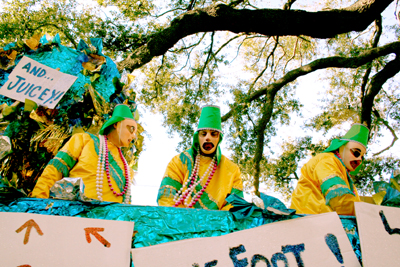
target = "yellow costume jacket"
x: 79, y: 158
x: 324, y: 186
x: 226, y: 180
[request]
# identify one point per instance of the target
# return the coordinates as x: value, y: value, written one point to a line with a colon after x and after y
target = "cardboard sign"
x: 379, y: 230
x: 315, y: 240
x: 37, y: 82
x: 33, y: 240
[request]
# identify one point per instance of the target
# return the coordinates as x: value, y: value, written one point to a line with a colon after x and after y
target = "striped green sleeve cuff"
x: 66, y: 158
x: 60, y: 166
x: 168, y: 188
x: 327, y: 185
x: 337, y: 192
x: 63, y: 163
x: 334, y: 187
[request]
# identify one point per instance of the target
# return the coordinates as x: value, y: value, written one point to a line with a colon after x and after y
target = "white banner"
x: 379, y: 230
x: 315, y: 240
x: 37, y: 82
x: 32, y: 240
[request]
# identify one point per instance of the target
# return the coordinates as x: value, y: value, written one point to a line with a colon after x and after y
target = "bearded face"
x: 208, y: 140
x: 352, y: 154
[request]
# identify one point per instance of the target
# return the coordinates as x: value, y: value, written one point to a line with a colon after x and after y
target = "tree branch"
x: 288, y: 4
x: 377, y: 33
x: 329, y: 62
x: 393, y: 132
x: 269, y: 22
x: 260, y: 132
x: 271, y: 54
x: 390, y: 69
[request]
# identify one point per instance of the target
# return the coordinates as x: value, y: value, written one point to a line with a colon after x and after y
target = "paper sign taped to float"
x: 42, y: 240
x: 315, y: 240
x: 37, y: 82
x: 379, y: 230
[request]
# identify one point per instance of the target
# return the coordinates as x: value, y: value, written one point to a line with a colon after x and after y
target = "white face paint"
x: 126, y: 132
x: 352, y: 154
x: 208, y: 140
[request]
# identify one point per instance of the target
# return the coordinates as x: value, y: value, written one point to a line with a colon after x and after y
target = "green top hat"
x: 357, y: 133
x: 210, y: 119
x: 120, y: 113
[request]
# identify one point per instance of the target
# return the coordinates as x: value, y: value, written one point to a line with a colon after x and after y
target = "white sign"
x: 37, y: 82
x: 379, y: 230
x: 315, y: 240
x: 32, y: 240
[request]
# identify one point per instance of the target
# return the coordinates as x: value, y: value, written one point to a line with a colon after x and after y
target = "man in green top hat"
x: 98, y: 160
x: 325, y: 184
x: 201, y: 177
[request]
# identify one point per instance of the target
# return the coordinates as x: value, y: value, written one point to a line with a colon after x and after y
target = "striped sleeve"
x: 59, y: 166
x: 332, y: 178
x: 171, y: 182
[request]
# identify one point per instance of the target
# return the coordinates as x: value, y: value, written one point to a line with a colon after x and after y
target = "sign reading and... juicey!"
x: 37, y: 82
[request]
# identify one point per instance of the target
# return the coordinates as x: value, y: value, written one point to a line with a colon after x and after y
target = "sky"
x: 158, y: 151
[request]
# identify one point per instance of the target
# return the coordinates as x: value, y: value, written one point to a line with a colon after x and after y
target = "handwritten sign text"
x: 37, y: 82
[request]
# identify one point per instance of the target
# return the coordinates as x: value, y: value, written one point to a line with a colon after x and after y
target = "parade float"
x: 36, y: 120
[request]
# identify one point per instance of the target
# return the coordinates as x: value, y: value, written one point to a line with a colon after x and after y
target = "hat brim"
x: 335, y: 144
x: 110, y: 122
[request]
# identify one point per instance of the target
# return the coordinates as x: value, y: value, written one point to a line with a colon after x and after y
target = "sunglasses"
x: 356, y: 153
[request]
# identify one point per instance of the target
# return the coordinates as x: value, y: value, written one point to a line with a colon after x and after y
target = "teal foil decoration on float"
x: 37, y: 132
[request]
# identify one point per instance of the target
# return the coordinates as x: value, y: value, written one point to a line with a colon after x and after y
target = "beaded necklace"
x: 103, y: 163
x: 183, y: 194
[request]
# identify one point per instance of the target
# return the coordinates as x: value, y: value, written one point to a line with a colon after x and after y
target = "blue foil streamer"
x: 69, y: 61
x: 9, y: 46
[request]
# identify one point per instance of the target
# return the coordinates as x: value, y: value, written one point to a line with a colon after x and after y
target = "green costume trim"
x: 166, y: 184
x: 341, y: 186
x: 165, y: 188
x: 331, y: 182
x: 63, y: 162
x: 187, y: 159
x: 348, y: 176
x: 205, y: 199
x: 67, y: 159
x: 237, y: 192
x: 337, y: 193
x: 116, y: 172
x: 60, y: 166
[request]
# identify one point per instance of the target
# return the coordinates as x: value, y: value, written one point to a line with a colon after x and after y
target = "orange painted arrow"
x: 94, y: 231
x: 28, y: 225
